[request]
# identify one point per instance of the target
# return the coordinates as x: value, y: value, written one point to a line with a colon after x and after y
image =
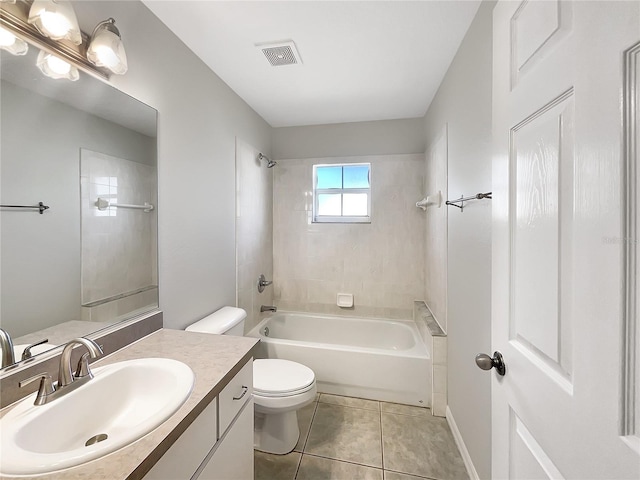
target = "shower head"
x: 270, y: 163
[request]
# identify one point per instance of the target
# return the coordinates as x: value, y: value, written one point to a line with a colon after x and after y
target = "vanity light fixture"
x: 52, y: 26
x: 55, y: 67
x: 55, y: 19
x: 106, y: 48
x: 11, y: 43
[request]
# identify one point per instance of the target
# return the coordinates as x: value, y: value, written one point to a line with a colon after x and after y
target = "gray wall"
x: 384, y: 137
x: 199, y: 117
x: 41, y: 253
x: 464, y: 103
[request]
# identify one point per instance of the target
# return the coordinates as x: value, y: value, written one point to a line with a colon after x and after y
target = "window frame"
x: 341, y: 218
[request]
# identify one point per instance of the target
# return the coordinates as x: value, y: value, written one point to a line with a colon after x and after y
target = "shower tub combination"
x: 371, y: 358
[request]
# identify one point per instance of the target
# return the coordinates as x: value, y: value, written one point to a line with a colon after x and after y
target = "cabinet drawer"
x: 185, y: 456
x: 234, y: 396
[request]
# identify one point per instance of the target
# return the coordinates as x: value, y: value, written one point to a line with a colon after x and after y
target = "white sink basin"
x: 124, y: 401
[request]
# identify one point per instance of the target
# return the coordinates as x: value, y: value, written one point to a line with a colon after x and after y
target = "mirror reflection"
x: 88, y: 152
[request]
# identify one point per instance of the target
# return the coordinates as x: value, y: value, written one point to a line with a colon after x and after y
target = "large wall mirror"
x: 88, y: 152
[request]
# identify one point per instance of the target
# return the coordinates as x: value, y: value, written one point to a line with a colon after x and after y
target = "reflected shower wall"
x: 119, y: 246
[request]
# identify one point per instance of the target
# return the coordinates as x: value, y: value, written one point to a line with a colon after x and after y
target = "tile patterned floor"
x: 344, y: 438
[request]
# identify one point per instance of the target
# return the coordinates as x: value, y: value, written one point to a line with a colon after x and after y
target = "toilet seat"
x: 281, y: 378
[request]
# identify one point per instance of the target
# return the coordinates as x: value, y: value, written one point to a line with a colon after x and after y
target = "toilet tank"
x: 226, y: 321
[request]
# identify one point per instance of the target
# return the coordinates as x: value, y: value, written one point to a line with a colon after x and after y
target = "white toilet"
x: 280, y: 387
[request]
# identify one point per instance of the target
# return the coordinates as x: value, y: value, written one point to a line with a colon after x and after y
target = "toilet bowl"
x: 280, y: 387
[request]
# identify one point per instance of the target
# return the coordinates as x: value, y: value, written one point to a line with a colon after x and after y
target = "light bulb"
x: 55, y: 24
x: 106, y: 48
x: 55, y: 67
x: 7, y: 38
x: 55, y: 19
x: 106, y: 56
x: 11, y: 43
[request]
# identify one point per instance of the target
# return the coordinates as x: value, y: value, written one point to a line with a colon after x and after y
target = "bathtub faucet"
x: 268, y: 308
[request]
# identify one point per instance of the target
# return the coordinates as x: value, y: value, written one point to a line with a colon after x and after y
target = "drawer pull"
x: 244, y: 392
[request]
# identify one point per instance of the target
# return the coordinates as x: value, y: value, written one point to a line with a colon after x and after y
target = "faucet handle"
x: 83, y: 369
x: 45, y: 389
x: 26, y: 354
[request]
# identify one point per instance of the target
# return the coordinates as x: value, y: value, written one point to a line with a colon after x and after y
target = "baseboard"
x: 466, y: 458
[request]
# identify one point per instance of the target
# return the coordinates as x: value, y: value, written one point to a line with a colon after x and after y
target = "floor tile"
x: 421, y: 446
x: 318, y: 468
x: 345, y: 433
x: 389, y: 475
x: 350, y: 402
x: 404, y: 409
x: 271, y: 467
x: 305, y: 415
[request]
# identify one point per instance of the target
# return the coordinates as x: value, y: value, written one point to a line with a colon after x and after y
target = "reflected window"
x: 342, y: 193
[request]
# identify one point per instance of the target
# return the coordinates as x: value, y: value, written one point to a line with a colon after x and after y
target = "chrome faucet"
x: 268, y: 308
x: 65, y: 375
x: 67, y: 381
x: 8, y: 357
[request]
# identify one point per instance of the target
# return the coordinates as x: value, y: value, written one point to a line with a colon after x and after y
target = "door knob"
x: 485, y: 362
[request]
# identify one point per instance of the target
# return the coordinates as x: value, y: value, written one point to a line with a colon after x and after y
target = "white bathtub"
x: 370, y: 358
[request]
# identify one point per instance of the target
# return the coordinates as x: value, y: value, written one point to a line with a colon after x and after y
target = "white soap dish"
x: 345, y: 300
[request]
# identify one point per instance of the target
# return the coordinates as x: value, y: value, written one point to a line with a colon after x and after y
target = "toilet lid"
x: 275, y: 377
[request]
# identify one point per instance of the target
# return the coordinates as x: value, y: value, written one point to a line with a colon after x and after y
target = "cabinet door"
x: 185, y: 456
x: 233, y: 459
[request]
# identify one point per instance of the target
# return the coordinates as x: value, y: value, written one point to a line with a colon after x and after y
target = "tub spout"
x: 268, y: 308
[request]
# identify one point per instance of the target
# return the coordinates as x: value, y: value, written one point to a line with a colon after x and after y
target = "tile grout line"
x: 350, y: 406
x: 413, y: 475
x: 382, y: 444
x: 345, y: 461
x: 304, y: 445
x: 313, y: 417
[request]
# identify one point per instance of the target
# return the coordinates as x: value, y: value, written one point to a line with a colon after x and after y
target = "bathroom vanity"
x: 210, y: 436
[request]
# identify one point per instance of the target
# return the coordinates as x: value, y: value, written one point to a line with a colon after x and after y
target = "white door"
x: 563, y: 409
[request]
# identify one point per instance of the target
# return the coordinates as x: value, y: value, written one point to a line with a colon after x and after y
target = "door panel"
x: 527, y: 457
x: 536, y: 28
x: 541, y: 163
x: 556, y: 282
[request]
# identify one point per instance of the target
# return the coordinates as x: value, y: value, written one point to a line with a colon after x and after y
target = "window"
x: 342, y: 193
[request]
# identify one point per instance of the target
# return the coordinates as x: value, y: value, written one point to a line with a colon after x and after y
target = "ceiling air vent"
x: 281, y: 53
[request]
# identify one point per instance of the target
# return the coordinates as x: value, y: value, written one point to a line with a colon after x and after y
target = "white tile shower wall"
x: 435, y: 293
x: 113, y: 267
x: 436, y: 340
x: 254, y: 231
x: 380, y: 263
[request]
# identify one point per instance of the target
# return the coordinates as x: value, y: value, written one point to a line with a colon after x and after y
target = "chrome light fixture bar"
x: 14, y: 18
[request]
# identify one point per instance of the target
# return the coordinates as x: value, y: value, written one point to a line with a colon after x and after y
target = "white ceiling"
x: 366, y: 60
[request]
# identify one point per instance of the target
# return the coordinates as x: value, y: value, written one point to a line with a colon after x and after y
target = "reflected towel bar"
x: 461, y: 200
x: 103, y: 204
x: 40, y: 207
